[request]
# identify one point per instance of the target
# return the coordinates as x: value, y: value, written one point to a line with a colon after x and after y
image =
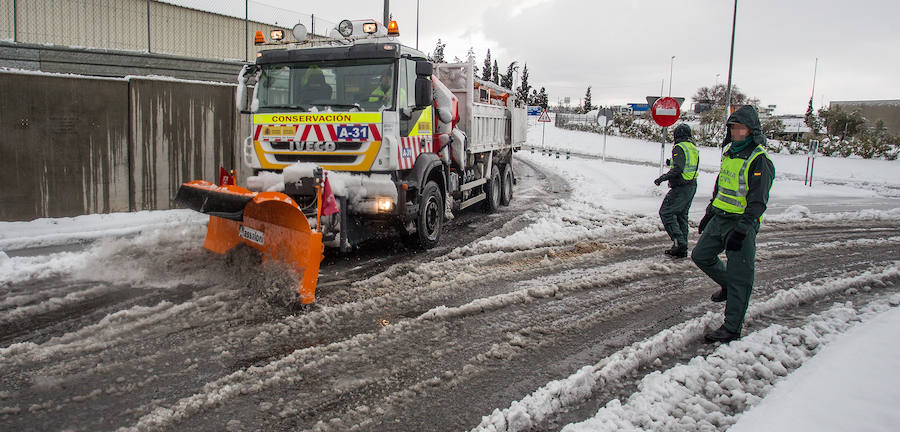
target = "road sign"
x: 652, y: 99
x: 545, y: 117
x: 665, y: 111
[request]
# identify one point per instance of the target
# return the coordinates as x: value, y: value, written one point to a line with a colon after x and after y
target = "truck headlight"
x: 384, y: 204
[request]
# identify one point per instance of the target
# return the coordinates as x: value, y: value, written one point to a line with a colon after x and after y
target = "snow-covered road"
x: 559, y: 312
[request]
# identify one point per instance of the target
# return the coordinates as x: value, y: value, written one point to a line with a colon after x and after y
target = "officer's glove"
x: 735, y: 241
x: 706, y: 218
x: 658, y: 181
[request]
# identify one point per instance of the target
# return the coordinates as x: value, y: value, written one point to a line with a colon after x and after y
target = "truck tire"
x: 493, y: 190
x: 430, y: 219
x: 506, y: 185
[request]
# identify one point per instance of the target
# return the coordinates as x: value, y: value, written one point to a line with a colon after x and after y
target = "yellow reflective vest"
x: 379, y: 95
x: 734, y: 176
x: 691, y: 160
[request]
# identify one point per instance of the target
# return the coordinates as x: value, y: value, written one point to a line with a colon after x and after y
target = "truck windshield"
x: 347, y: 85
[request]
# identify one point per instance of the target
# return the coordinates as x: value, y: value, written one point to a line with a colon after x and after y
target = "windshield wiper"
x: 293, y: 107
x: 354, y: 105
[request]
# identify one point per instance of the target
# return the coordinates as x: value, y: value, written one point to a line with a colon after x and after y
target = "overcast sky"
x: 623, y: 49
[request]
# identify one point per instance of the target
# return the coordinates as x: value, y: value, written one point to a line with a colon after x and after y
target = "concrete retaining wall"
x: 75, y: 145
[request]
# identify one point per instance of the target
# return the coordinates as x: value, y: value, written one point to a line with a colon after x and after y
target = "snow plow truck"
x: 353, y: 136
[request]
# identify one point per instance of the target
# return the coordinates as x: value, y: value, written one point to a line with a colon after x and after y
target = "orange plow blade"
x: 270, y: 222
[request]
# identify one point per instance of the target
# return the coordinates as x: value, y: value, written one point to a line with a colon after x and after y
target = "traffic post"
x: 607, y: 114
x: 544, y: 118
x: 665, y: 112
x: 811, y: 161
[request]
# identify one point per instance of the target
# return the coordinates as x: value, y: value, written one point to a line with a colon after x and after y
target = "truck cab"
x: 361, y: 106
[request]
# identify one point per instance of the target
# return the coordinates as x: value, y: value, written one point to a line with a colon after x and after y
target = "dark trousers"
x: 735, y: 276
x: 674, y: 211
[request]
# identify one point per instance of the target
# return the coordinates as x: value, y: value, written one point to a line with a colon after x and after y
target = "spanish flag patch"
x: 757, y: 174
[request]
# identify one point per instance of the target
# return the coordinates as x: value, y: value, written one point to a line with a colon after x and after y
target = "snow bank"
x: 556, y: 395
x: 799, y: 213
x: 711, y: 392
x: 851, y: 384
x: 80, y: 229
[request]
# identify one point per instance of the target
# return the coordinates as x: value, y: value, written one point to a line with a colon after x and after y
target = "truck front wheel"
x: 430, y: 219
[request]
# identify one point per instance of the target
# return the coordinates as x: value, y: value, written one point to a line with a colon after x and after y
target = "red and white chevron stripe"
x: 410, y: 148
x: 316, y: 132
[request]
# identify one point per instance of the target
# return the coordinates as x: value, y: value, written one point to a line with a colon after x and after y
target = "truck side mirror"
x: 424, y: 68
x: 424, y: 95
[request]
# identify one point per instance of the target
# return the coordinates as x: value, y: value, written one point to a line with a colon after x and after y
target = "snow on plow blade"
x: 270, y: 222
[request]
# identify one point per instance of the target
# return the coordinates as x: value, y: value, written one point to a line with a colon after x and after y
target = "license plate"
x: 252, y: 235
x: 353, y: 132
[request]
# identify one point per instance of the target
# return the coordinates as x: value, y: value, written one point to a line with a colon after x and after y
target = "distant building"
x: 639, y: 107
x: 766, y: 111
x: 702, y: 107
x: 887, y: 111
x: 148, y: 26
x: 794, y: 127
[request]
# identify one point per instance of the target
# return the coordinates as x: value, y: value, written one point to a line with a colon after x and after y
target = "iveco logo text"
x: 311, y: 118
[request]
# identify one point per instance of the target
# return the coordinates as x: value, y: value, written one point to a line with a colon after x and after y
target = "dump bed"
x: 494, y: 125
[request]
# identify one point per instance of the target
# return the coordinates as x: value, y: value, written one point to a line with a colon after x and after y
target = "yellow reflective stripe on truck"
x: 424, y: 124
x: 316, y: 118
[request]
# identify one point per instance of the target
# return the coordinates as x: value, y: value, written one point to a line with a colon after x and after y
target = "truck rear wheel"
x: 430, y: 219
x: 493, y: 190
x: 506, y: 184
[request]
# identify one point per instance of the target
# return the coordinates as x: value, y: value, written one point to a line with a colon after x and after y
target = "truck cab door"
x: 410, y: 86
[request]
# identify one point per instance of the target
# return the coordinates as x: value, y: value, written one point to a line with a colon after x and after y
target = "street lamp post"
x: 730, y: 64
x: 671, y: 65
x: 417, y: 24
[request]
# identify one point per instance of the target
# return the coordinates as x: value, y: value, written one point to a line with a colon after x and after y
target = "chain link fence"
x: 203, y: 29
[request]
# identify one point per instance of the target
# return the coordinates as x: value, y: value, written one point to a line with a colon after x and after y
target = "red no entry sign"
x: 665, y: 111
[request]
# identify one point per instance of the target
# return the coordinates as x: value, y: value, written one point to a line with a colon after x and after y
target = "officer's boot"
x: 678, y: 250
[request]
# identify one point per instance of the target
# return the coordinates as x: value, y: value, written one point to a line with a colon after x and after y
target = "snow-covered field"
x: 709, y: 392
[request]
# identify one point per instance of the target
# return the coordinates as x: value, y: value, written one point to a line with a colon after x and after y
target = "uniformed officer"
x: 732, y: 219
x: 382, y: 93
x: 682, y: 177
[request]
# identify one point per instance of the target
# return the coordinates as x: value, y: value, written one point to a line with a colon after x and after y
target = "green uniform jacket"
x: 674, y: 174
x: 758, y: 185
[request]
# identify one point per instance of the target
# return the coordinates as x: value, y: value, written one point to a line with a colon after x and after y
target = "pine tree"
x: 470, y: 57
x: 486, y: 70
x: 587, y: 101
x: 506, y: 81
x: 543, y: 99
x: 524, y: 89
x: 495, y: 76
x: 438, y: 55
x: 810, y: 118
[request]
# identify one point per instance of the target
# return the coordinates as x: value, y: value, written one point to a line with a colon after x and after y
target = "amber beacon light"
x: 393, y: 29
